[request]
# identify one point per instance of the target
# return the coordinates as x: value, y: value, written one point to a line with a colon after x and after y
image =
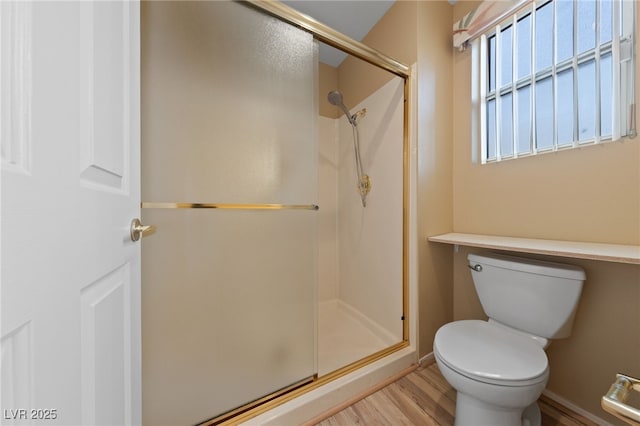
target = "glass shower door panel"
x: 230, y: 93
x: 229, y: 312
x: 228, y: 295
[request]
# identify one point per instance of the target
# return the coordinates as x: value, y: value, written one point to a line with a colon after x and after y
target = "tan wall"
x: 588, y: 194
x: 394, y: 35
x: 327, y: 81
x: 435, y: 185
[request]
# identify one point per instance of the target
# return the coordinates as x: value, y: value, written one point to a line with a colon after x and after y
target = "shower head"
x: 335, y: 98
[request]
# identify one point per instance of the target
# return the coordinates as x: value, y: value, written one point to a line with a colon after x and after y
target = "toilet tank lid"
x: 533, y: 266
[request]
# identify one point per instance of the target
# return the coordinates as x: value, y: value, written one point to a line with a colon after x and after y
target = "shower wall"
x: 360, y: 253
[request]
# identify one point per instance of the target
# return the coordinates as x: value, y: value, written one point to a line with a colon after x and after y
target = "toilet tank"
x: 530, y: 295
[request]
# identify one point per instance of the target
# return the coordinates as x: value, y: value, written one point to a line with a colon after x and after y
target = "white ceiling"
x: 353, y: 18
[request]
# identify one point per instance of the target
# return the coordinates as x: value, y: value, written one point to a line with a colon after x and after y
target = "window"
x: 558, y: 74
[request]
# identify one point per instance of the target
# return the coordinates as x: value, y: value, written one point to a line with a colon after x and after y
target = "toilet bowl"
x: 497, y: 373
x: 498, y: 367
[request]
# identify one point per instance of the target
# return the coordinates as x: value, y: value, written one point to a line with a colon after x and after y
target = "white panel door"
x: 70, y: 289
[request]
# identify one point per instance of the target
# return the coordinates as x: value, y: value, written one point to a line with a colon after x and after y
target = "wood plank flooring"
x: 423, y: 397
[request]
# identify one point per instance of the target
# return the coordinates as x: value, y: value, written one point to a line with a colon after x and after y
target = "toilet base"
x: 532, y: 416
x: 472, y: 412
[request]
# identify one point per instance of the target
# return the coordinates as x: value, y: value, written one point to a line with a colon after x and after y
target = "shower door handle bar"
x: 614, y: 401
x: 162, y: 205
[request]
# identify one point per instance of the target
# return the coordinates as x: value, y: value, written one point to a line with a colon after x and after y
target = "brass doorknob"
x: 138, y: 229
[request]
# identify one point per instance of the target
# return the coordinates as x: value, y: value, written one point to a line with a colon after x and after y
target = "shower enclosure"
x: 234, y: 178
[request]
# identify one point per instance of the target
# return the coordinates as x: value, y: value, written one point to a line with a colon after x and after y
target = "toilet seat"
x: 490, y: 354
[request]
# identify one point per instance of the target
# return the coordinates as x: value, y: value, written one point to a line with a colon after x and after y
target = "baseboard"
x: 576, y: 409
x: 427, y: 359
x: 328, y: 304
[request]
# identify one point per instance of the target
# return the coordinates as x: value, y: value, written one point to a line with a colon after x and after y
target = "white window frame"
x: 622, y: 50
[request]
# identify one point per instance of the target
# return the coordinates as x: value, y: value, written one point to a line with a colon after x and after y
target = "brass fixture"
x: 614, y: 401
x: 138, y: 230
x: 153, y: 205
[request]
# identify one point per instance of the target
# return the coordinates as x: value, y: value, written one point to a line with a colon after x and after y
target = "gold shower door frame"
x: 337, y: 40
x: 361, y: 51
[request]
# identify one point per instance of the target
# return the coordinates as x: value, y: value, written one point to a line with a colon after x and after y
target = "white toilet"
x: 499, y: 367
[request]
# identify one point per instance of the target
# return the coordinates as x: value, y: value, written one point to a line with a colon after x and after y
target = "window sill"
x: 595, y: 251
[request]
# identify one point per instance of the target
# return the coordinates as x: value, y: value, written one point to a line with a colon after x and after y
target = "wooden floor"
x: 424, y: 397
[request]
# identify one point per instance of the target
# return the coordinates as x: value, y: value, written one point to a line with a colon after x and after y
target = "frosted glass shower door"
x: 228, y: 292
